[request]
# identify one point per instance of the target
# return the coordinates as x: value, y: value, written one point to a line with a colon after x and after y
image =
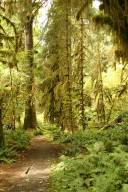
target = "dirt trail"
x: 31, y: 172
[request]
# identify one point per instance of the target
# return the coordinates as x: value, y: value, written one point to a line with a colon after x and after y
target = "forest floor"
x: 31, y: 171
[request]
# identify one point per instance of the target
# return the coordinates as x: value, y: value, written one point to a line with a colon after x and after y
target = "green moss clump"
x: 101, y: 19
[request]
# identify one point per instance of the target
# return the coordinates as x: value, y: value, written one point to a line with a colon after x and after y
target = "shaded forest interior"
x: 64, y: 74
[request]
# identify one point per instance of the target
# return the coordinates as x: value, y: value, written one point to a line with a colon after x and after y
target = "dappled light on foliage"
x: 64, y: 88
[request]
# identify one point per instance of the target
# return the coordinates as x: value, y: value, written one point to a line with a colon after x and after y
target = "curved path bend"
x: 31, y: 172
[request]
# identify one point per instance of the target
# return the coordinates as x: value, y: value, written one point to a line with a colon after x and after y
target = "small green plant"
x: 49, y: 130
x: 18, y: 139
x: 103, y: 168
x: 7, y: 155
x: 109, y: 147
x: 96, y: 172
x: 38, y: 131
x: 15, y: 141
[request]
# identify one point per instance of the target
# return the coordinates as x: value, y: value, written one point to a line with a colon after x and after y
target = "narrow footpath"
x: 31, y: 172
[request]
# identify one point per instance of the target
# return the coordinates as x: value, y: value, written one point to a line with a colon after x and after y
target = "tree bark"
x: 100, y: 103
x: 68, y: 77
x: 1, y: 127
x: 82, y: 106
x: 30, y: 109
x: 52, y: 107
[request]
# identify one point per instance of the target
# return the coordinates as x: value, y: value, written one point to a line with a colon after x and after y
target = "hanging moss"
x: 115, y: 14
x: 101, y: 7
x: 101, y: 19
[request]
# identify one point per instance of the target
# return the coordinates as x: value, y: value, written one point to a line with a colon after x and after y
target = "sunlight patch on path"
x: 35, y: 172
x: 31, y: 172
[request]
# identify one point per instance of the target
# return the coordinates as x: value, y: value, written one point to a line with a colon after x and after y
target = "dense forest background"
x: 70, y: 71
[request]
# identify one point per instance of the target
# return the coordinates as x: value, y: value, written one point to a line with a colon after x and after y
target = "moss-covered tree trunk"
x: 30, y: 110
x: 81, y: 67
x: 52, y: 107
x: 1, y: 127
x: 68, y: 116
x: 100, y: 92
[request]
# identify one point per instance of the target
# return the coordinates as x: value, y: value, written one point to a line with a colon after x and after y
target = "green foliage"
x: 122, y: 117
x: 56, y: 132
x: 50, y: 130
x: 101, y: 19
x: 53, y: 130
x: 18, y: 140
x: 38, y: 131
x: 7, y: 155
x: 102, y: 167
x: 86, y: 139
x: 95, y: 172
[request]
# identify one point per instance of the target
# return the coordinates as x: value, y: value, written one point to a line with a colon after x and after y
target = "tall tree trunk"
x: 81, y: 67
x: 1, y: 127
x: 30, y: 110
x: 68, y: 119
x: 13, y: 115
x: 52, y: 107
x: 100, y: 103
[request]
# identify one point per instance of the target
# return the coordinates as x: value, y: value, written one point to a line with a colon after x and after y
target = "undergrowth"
x: 93, y: 161
x: 15, y: 141
x: 49, y: 130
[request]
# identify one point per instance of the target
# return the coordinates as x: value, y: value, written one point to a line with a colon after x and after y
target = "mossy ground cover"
x: 93, y: 161
x: 15, y: 142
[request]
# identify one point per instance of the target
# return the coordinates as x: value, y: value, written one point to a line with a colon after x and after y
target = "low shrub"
x: 85, y: 139
x: 96, y: 172
x: 38, y: 131
x: 18, y: 139
x: 50, y: 130
x: 95, y: 161
x: 15, y: 141
x: 7, y: 155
